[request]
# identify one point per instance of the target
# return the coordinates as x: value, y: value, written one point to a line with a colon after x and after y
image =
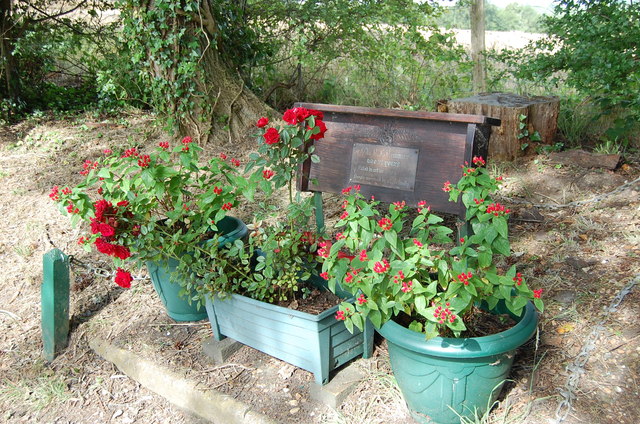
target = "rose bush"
x: 142, y: 207
x: 396, y: 266
x: 281, y: 253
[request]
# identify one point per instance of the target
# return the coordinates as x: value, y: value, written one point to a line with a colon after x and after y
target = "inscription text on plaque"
x: 384, y: 166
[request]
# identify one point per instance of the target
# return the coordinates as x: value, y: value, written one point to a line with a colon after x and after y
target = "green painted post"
x: 55, y: 302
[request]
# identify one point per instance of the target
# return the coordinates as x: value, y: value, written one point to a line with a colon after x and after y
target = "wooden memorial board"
x: 395, y: 155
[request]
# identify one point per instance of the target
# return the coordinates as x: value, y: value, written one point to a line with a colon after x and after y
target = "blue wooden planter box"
x: 316, y: 343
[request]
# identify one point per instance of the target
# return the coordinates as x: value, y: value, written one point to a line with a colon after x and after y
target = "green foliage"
x: 357, y: 52
x: 590, y: 47
x: 513, y: 17
x: 397, y: 265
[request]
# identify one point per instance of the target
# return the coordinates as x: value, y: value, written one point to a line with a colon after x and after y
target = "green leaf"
x: 484, y: 259
x: 502, y: 246
x: 391, y: 237
x: 500, y: 224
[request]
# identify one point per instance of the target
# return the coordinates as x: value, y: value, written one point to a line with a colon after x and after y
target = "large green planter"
x: 442, y: 373
x: 178, y: 307
x: 316, y: 343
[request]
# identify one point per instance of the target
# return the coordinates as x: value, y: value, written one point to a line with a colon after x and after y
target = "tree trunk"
x: 215, y: 105
x: 478, y: 46
x: 9, y: 86
x: 521, y: 118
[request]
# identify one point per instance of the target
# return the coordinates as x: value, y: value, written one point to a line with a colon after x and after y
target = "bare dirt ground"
x: 582, y: 255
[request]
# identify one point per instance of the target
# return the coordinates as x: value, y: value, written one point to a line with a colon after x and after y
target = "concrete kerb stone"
x: 221, y: 350
x: 339, y: 387
x: 208, y: 404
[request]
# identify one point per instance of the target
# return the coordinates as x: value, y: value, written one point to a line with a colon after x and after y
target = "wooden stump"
x: 507, y: 141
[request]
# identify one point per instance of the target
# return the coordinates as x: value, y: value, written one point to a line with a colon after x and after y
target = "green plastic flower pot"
x: 180, y: 308
x: 316, y: 343
x: 443, y: 378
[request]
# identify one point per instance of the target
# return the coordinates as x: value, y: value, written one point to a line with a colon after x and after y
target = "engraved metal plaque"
x: 384, y: 166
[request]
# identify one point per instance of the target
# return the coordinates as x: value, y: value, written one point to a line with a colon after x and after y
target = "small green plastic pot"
x: 442, y: 379
x: 180, y: 308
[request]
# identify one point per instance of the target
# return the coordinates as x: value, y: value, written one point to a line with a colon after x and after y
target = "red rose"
x: 318, y: 114
x: 121, y: 252
x: 301, y: 113
x: 106, y: 230
x: 123, y: 278
x: 323, y: 129
x: 104, y: 246
x: 289, y: 117
x: 271, y: 136
x: 262, y: 122
x: 102, y: 208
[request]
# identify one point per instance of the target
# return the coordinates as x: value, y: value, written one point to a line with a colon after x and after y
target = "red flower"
x: 406, y: 286
x: 347, y: 190
x: 399, y: 205
x: 290, y: 117
x: 223, y: 156
x: 344, y: 215
x: 235, y: 162
x: 122, y: 204
x: 417, y: 242
x: 164, y: 145
x: 381, y: 267
x: 323, y: 129
x: 130, y: 153
x: 54, y: 195
x: 271, y: 136
x: 362, y: 300
x: 363, y: 255
x: 144, y: 161
x: 342, y: 255
x: 422, y: 204
x: 66, y: 191
x: 478, y: 161
x: 107, y: 151
x: 103, y: 208
x: 123, y: 278
x: 187, y: 140
x: 318, y: 114
x: 447, y: 186
x: 267, y: 174
x: 227, y: 206
x: 105, y: 229
x: 340, y: 316
x: 217, y: 190
x: 262, y: 122
x: 385, y: 224
x: 104, y: 246
x: 537, y: 293
x: 121, y: 252
x: 325, y: 275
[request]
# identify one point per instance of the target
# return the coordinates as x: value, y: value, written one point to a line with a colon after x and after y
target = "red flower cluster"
x: 223, y: 156
x: 340, y: 316
x: 217, y: 190
x: 422, y: 204
x: 399, y: 205
x: 344, y: 215
x: 323, y: 249
x: 417, y: 242
x: 349, y: 277
x: 299, y: 114
x: 87, y: 166
x: 54, y: 194
x: 518, y: 279
x: 106, y: 224
x: 464, y: 278
x: 227, y: 206
x: 537, y: 293
x: 144, y: 161
x: 267, y: 174
x: 235, y: 162
x: 164, y: 145
x: 444, y: 314
x: 381, y: 267
x: 385, y: 224
x: 497, y: 209
x: 347, y: 190
x: 132, y: 152
x: 399, y: 277
x: 361, y: 299
x: 363, y: 255
x: 325, y: 275
x: 262, y: 122
x: 406, y: 286
x: 478, y: 201
x: 478, y: 161
x: 447, y: 186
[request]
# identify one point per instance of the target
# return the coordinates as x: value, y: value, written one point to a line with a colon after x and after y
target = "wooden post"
x: 55, y: 302
x: 478, y: 46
